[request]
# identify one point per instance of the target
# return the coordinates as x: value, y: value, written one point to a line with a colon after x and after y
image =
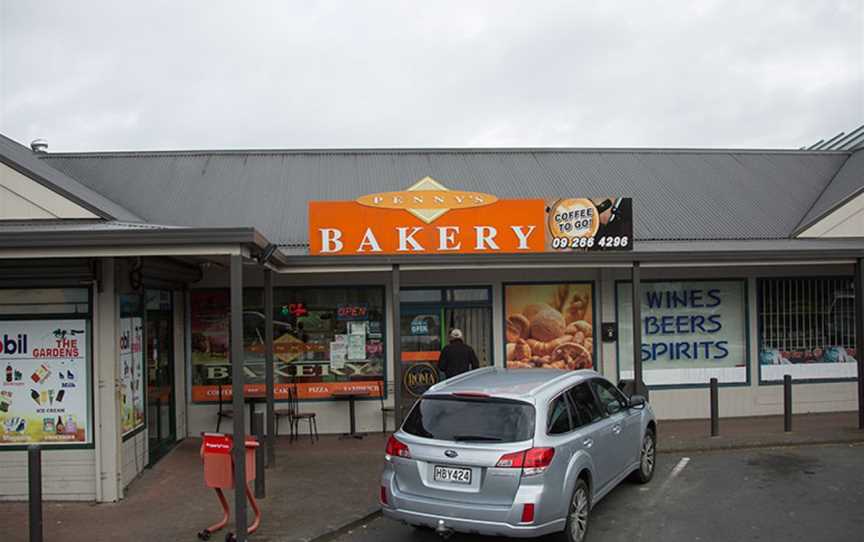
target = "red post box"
x: 219, y: 474
x: 219, y: 463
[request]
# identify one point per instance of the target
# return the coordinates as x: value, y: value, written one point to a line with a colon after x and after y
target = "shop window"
x: 325, y: 339
x: 692, y: 331
x: 45, y: 301
x: 468, y: 294
x: 131, y: 363
x: 806, y: 328
x: 549, y: 325
x: 420, y: 296
x: 45, y: 381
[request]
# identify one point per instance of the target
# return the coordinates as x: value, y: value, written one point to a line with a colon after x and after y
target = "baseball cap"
x: 456, y: 333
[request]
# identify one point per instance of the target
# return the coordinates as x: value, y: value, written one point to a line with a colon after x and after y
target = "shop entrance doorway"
x: 159, y: 321
x: 427, y: 316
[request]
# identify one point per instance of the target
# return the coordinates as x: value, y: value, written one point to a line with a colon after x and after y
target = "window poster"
x: 357, y: 347
x: 131, y: 374
x: 549, y: 325
x: 692, y: 331
x: 44, y: 390
x: 325, y: 339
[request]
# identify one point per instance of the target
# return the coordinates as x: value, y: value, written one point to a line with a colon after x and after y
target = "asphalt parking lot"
x: 801, y: 493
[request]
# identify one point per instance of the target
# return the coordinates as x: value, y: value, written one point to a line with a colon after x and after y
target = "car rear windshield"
x: 471, y: 419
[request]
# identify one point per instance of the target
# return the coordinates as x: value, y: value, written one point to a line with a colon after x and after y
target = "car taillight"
x: 533, y: 461
x: 383, y: 495
x: 513, y: 460
x: 397, y: 448
x: 528, y: 513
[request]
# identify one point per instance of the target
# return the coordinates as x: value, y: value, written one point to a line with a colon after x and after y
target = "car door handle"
x: 588, y: 442
x: 616, y: 429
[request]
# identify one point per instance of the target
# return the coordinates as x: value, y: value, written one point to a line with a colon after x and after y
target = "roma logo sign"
x: 429, y: 218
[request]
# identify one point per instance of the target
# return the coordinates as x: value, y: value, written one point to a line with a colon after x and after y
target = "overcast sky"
x: 174, y: 75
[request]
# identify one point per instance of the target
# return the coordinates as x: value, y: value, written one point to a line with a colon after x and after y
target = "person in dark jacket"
x: 457, y: 357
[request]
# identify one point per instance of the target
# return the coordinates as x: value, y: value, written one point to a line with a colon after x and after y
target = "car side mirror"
x: 637, y: 401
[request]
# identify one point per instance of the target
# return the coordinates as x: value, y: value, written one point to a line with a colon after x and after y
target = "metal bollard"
x: 715, y: 411
x: 34, y: 478
x: 787, y: 403
x: 258, y: 430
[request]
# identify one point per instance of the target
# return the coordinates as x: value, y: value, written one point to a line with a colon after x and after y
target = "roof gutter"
x: 571, y: 260
x: 144, y: 242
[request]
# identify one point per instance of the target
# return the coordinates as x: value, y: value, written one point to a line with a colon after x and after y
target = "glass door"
x: 427, y: 316
x: 420, y: 335
x: 476, y: 326
x: 162, y: 431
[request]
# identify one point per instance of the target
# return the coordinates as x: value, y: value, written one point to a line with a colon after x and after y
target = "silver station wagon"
x: 521, y: 453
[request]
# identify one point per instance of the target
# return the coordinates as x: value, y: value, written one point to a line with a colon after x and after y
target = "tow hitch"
x: 443, y: 531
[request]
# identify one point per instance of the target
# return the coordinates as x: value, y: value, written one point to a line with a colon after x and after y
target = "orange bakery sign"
x: 429, y: 218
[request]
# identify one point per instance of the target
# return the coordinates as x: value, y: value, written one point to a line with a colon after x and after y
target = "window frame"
x: 596, y: 335
x: 603, y: 414
x: 603, y: 406
x: 252, y: 290
x: 90, y: 361
x: 569, y: 410
x: 748, y: 339
x: 759, y: 329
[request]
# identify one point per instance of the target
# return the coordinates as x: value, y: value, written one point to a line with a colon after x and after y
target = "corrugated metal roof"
x: 846, y: 184
x: 678, y: 194
x: 25, y: 161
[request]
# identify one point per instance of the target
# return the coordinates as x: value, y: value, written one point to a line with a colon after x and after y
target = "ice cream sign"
x: 429, y: 218
x: 44, y: 386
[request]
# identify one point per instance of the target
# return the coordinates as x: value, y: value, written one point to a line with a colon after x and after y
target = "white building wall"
x: 106, y: 392
x: 83, y: 474
x: 22, y: 198
x: 845, y: 221
x: 135, y: 453
x: 752, y: 399
x: 66, y: 475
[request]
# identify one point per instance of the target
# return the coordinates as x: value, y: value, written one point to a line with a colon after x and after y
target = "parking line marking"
x: 675, y: 472
x: 679, y: 467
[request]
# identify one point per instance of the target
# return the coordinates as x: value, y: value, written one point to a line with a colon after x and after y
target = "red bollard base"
x: 231, y: 537
x: 219, y: 475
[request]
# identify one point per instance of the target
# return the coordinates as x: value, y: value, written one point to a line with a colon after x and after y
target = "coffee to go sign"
x: 428, y: 218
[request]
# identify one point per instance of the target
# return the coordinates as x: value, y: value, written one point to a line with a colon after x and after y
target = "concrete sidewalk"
x: 314, y: 490
x: 755, y: 432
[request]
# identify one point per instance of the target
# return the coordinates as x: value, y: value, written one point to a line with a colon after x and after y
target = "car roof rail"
x: 584, y: 373
x: 461, y: 377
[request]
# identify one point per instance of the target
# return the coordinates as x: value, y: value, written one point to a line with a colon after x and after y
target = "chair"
x: 280, y: 413
x: 298, y: 416
x: 222, y: 413
x: 385, y: 410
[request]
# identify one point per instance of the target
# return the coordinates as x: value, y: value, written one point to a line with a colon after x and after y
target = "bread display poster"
x: 45, y: 384
x: 549, y: 325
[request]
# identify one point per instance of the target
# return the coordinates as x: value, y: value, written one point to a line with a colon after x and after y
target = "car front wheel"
x: 647, y: 457
x: 577, y: 517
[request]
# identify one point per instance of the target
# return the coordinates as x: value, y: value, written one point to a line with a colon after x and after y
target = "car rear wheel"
x: 577, y: 517
x: 647, y: 457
